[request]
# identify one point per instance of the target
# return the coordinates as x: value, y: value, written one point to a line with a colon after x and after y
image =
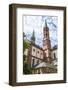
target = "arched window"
x: 37, y: 61
x: 33, y: 62
x: 38, y: 51
x: 54, y: 55
x: 34, y: 50
x: 46, y: 34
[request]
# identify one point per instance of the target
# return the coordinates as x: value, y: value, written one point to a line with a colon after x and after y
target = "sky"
x: 37, y: 23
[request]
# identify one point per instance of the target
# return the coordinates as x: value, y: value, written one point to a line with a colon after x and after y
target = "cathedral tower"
x: 47, y: 43
x: 33, y: 37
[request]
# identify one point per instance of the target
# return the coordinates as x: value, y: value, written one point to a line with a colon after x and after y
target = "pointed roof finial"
x: 33, y: 37
x: 33, y: 33
x: 45, y: 23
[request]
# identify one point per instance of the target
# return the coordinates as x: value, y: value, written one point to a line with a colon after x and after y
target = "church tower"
x: 47, y: 43
x: 33, y: 37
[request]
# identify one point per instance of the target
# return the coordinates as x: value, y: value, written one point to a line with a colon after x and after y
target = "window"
x: 54, y: 56
x: 37, y: 61
x: 38, y: 51
x: 34, y: 50
x: 33, y: 61
x: 46, y: 34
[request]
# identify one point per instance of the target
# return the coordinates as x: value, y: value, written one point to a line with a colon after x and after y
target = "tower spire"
x: 33, y: 37
x: 47, y: 43
x: 45, y: 23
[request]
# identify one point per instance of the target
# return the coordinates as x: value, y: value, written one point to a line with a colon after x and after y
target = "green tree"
x: 27, y: 69
x: 26, y: 66
x: 25, y: 43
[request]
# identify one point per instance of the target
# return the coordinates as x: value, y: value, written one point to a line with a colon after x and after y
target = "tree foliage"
x: 27, y: 69
x: 25, y: 45
x: 26, y: 66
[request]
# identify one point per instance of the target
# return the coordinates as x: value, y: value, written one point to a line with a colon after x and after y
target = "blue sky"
x: 36, y: 23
